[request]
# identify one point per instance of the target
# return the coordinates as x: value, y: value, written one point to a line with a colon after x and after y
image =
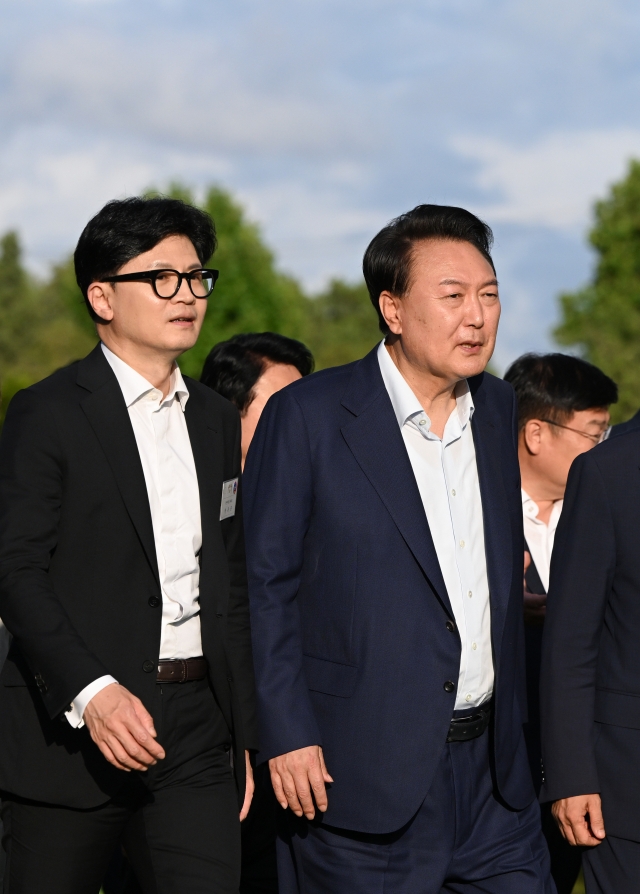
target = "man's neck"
x: 155, y: 367
x: 543, y: 493
x: 436, y: 395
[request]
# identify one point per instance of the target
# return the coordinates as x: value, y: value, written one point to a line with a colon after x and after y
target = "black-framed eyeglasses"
x: 166, y: 283
x: 597, y: 439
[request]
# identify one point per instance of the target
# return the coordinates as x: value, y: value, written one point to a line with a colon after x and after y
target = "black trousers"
x: 178, y: 822
x: 612, y: 867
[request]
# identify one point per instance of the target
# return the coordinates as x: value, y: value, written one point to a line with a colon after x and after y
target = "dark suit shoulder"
x: 617, y: 453
x: 623, y: 428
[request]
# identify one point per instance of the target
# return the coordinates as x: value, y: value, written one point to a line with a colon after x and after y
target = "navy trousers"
x: 462, y: 840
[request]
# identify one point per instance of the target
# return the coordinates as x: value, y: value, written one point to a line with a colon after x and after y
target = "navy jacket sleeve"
x: 582, y: 569
x: 278, y: 501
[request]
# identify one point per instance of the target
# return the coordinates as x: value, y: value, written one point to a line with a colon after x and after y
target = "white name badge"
x: 229, y: 497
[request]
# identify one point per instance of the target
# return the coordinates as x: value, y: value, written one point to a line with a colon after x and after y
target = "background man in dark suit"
x: 122, y: 580
x: 384, y: 531
x: 248, y: 369
x: 563, y: 410
x: 590, y: 686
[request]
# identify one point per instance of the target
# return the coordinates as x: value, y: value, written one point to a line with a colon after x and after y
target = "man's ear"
x: 532, y: 436
x: 99, y: 295
x: 391, y: 309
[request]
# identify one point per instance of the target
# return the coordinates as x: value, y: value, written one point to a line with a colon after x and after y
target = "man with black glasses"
x: 122, y: 579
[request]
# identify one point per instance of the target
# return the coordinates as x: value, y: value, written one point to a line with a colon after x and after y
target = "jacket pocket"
x: 617, y: 708
x: 329, y: 676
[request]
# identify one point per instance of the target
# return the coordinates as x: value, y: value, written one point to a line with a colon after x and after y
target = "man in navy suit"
x: 385, y: 552
x: 590, y: 684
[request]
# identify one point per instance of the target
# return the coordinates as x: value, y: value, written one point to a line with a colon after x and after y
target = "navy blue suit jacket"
x: 348, y: 604
x: 623, y: 427
x: 590, y: 685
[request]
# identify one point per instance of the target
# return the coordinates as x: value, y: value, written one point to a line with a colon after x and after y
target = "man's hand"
x: 122, y: 728
x: 580, y: 819
x: 248, y: 790
x: 298, y: 774
x: 534, y: 604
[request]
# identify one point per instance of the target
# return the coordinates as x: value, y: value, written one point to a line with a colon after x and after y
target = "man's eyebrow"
x: 165, y: 265
x: 459, y: 282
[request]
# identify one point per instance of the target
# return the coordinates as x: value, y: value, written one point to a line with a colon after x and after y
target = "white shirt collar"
x: 530, y: 509
x: 134, y: 386
x: 404, y: 402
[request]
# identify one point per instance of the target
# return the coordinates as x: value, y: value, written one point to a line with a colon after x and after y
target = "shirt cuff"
x: 76, y: 711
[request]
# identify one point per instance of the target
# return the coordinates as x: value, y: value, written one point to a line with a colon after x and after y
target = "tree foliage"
x: 343, y: 326
x: 602, y: 320
x: 38, y: 333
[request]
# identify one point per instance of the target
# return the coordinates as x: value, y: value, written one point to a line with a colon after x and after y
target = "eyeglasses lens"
x: 166, y: 284
x: 201, y: 284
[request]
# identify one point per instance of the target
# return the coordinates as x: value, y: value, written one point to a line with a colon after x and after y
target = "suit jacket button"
x: 449, y: 686
x: 450, y: 626
x: 154, y: 602
x: 148, y: 666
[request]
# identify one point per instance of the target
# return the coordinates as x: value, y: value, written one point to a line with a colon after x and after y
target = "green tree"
x: 38, y: 333
x: 602, y: 320
x: 342, y: 324
x: 251, y: 295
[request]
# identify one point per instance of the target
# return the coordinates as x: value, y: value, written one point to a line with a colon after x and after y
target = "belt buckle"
x: 183, y: 670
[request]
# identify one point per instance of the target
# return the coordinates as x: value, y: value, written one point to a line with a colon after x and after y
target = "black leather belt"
x: 181, y: 670
x: 462, y: 729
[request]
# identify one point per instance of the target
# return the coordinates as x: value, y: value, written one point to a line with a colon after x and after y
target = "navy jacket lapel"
x: 488, y: 438
x: 107, y: 413
x: 374, y: 438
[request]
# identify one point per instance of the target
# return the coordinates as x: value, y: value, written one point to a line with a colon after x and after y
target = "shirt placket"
x: 469, y: 674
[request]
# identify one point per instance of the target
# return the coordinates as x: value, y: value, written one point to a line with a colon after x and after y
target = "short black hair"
x: 233, y: 367
x: 387, y: 261
x: 555, y: 386
x: 126, y: 228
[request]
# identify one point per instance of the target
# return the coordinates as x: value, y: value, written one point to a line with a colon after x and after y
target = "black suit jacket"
x: 590, y: 686
x: 79, y: 585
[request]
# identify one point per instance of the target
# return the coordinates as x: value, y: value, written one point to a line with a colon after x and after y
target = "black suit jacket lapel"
x: 208, y: 456
x: 108, y: 416
x: 488, y: 438
x: 376, y: 442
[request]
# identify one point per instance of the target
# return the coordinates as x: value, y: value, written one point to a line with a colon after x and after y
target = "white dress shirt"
x: 161, y: 434
x: 447, y: 478
x: 540, y: 536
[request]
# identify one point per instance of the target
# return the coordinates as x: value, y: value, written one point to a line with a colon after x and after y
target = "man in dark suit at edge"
x: 563, y: 411
x: 385, y: 556
x: 123, y: 582
x: 590, y: 685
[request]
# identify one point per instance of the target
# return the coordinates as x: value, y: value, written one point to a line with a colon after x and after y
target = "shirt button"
x: 467, y: 697
x: 453, y: 493
x: 462, y: 544
x: 470, y: 594
x: 474, y: 646
x: 422, y: 422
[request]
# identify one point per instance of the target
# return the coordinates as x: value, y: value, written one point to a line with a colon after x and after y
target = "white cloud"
x: 552, y: 182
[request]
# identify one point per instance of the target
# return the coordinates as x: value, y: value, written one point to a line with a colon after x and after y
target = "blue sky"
x: 326, y: 119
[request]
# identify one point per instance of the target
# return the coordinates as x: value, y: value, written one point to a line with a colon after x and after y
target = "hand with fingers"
x: 123, y: 729
x: 535, y: 605
x: 580, y: 819
x: 299, y: 779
